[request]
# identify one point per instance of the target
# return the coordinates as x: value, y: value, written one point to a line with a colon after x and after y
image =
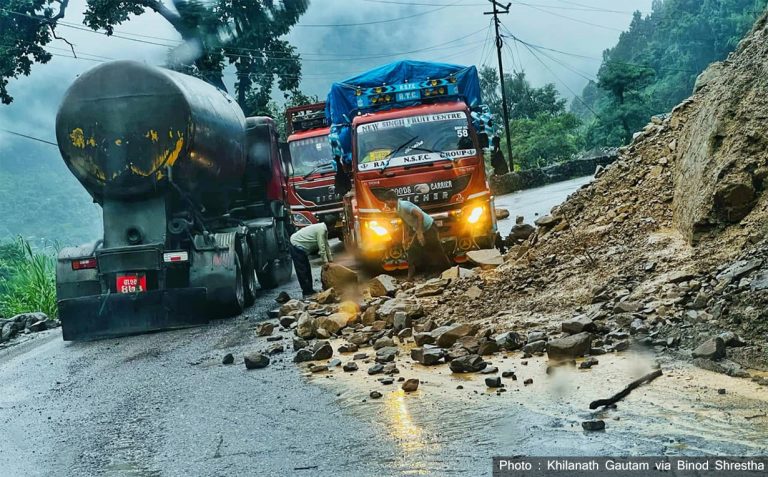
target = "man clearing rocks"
x: 425, y: 248
x: 309, y: 240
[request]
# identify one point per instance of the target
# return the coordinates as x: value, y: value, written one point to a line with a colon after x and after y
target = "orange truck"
x: 412, y: 127
x: 311, y: 191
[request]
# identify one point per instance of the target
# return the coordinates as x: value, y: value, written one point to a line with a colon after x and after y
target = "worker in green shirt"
x: 310, y: 240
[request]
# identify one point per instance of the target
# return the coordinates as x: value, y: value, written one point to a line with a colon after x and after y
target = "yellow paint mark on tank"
x: 174, y: 155
x: 92, y: 141
x: 152, y: 135
x: 118, y: 142
x: 167, y: 158
x: 78, y: 138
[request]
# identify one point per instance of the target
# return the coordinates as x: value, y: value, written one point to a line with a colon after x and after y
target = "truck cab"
x: 430, y: 155
x: 311, y: 190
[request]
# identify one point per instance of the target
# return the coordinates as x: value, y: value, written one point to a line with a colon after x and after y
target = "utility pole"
x: 504, y: 10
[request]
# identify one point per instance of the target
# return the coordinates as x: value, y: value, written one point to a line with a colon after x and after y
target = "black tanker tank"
x: 125, y: 127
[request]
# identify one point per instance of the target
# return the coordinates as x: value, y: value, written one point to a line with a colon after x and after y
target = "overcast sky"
x: 334, y: 45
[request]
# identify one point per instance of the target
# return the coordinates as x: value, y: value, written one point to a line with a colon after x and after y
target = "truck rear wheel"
x: 249, y: 275
x: 236, y: 304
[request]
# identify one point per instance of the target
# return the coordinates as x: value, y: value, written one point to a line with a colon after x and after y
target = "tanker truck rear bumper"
x: 121, y: 314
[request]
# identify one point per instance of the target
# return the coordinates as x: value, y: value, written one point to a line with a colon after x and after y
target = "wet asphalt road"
x: 164, y: 405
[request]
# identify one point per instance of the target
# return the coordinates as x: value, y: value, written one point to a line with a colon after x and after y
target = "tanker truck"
x: 192, y: 197
x: 416, y: 128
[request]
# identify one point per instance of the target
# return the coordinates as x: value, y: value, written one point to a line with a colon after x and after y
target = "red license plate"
x: 131, y: 283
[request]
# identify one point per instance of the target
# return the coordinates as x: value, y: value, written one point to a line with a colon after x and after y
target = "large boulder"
x: 382, y: 285
x: 569, y: 347
x: 335, y: 322
x: 8, y: 331
x: 468, y: 364
x: 292, y: 306
x: 509, y: 341
x: 428, y: 355
x: 713, y: 349
x: 410, y: 307
x: 520, y: 233
x: 333, y: 275
x: 446, y: 336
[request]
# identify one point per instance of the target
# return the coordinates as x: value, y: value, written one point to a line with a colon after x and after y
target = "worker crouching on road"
x: 425, y: 249
x: 309, y: 240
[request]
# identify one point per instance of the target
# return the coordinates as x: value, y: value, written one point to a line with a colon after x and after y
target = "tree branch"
x: 171, y: 17
x: 53, y: 32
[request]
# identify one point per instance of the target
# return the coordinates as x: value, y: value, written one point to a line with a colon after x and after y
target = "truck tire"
x: 236, y: 304
x: 250, y: 285
x: 277, y: 272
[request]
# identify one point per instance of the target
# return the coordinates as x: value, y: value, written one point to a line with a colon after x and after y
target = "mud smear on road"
x: 680, y: 413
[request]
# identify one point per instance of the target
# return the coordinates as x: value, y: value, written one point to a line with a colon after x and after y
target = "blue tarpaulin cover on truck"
x: 402, y: 79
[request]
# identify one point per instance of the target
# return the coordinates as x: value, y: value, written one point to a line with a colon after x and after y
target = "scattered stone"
x: 382, y: 285
x: 376, y: 369
x: 455, y: 273
x: 383, y: 342
x: 283, y: 297
x: 391, y: 368
x: 520, y: 233
x: 335, y: 322
x: 509, y: 341
x: 486, y: 258
x: 578, y: 324
x: 350, y: 367
x: 302, y: 356
x: 433, y: 287
x: 360, y: 356
x: 276, y: 349
x: 306, y: 326
x: 229, y: 358
x: 292, y: 306
x: 528, y: 381
x: 588, y: 363
x: 405, y: 333
x: 410, y: 385
x: 287, y: 321
x: 627, y: 307
x: 489, y: 370
x: 501, y: 214
x: 732, y: 340
x: 468, y: 364
x: 446, y: 336
x: 422, y: 339
x: 334, y: 363
x: 264, y: 329
x: 322, y: 333
x: 375, y: 395
x: 386, y: 355
x: 569, y: 347
x: 401, y: 321
x: 535, y: 347
x: 333, y: 275
x: 619, y: 346
x: 487, y: 347
x: 713, y: 349
x: 348, y: 348
x: 256, y: 361
x: 322, y: 350
x: 593, y: 425
x: 428, y: 355
x: 721, y: 391
x: 493, y: 382
x: 386, y: 381
x: 473, y: 292
x: 509, y: 374
x: 318, y: 368
x: 299, y: 343
x: 327, y: 296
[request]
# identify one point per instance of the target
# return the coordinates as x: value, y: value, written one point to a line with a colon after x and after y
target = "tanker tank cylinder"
x: 124, y: 128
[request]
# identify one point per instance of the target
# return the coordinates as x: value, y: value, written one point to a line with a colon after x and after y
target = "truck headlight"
x: 475, y: 214
x: 300, y: 219
x: 377, y: 229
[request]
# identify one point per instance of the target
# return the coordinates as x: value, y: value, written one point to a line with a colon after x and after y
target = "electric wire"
x: 7, y: 131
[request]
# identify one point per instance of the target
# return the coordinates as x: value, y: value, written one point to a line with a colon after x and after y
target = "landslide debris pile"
x: 668, y: 243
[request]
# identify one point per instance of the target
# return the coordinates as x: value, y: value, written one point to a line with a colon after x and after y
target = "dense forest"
x: 656, y: 61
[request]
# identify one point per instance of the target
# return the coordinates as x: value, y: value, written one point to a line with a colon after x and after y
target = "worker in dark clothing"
x: 425, y: 249
x: 309, y: 240
x: 498, y: 162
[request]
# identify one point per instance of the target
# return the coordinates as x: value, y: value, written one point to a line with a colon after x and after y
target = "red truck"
x: 408, y: 127
x: 311, y: 187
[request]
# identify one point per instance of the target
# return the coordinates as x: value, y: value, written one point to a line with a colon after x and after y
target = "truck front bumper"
x: 113, y: 315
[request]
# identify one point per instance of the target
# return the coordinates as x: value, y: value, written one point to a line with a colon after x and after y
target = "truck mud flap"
x: 113, y: 315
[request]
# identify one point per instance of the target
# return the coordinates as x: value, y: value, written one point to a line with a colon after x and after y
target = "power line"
x: 29, y: 137
x: 566, y: 17
x: 377, y: 22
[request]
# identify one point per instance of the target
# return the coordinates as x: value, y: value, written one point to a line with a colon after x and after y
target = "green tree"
x: 245, y: 33
x: 546, y: 139
x: 625, y: 83
x: 26, y: 26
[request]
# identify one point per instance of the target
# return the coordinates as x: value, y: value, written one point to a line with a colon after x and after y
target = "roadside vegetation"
x: 27, y: 279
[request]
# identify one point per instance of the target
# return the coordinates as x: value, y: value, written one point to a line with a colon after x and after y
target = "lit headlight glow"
x: 475, y: 215
x: 378, y: 229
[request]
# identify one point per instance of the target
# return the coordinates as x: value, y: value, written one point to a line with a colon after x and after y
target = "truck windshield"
x: 311, y: 155
x: 414, y: 140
